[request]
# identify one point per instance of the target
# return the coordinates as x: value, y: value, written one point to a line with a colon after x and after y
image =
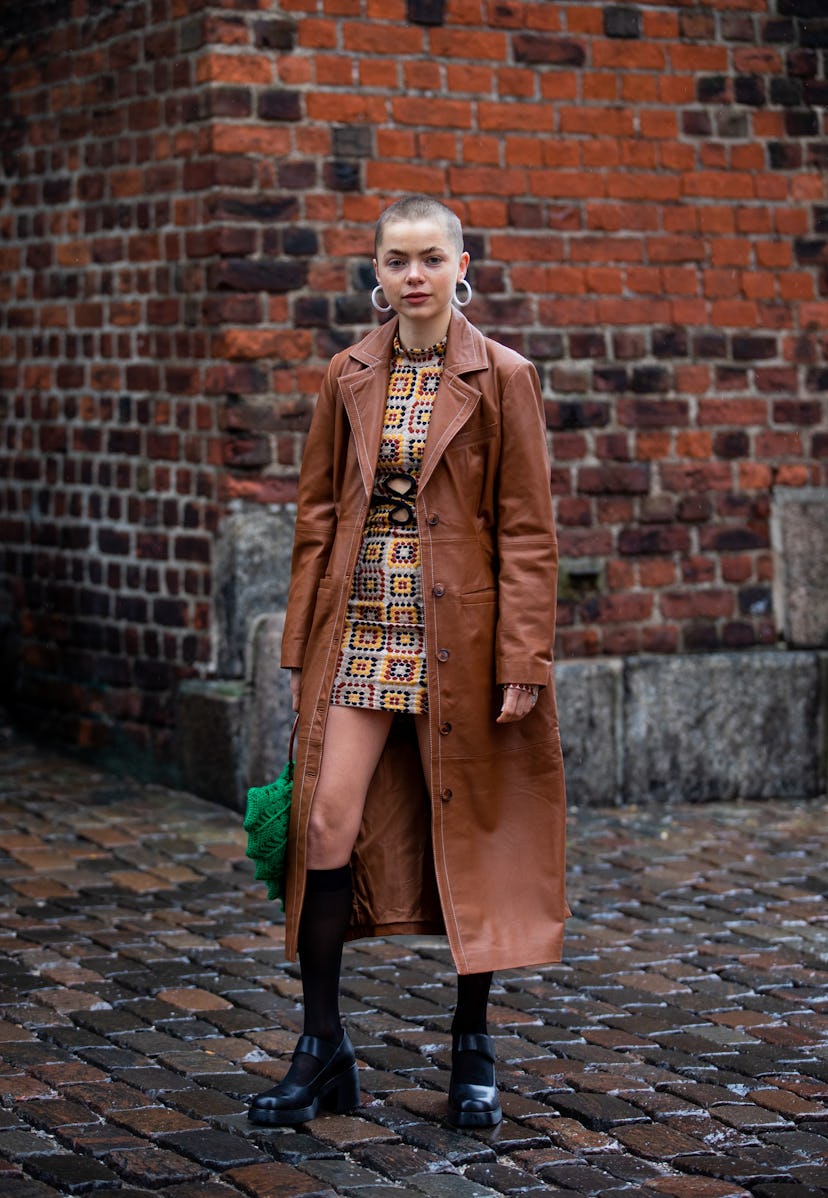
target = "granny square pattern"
x: 382, y: 662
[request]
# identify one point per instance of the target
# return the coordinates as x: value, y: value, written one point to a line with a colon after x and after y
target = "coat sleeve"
x: 526, y: 538
x: 315, y: 525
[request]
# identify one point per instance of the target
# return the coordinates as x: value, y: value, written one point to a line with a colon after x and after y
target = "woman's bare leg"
x: 354, y: 741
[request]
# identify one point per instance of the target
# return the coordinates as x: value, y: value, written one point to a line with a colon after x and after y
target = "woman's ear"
x: 463, y: 265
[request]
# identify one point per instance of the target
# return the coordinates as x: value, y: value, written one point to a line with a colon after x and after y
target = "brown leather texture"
x: 469, y: 842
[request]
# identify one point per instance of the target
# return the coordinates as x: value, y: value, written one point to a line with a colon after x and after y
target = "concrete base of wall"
x: 746, y: 725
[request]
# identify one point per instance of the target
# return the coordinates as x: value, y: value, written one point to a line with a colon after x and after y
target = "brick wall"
x: 110, y: 442
x: 187, y: 210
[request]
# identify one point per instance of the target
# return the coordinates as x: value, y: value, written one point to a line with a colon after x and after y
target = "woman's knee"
x: 332, y: 830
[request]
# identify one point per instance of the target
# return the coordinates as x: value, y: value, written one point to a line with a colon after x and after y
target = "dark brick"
x: 610, y: 378
x: 783, y: 156
x: 587, y: 345
x: 300, y: 241
x: 696, y: 123
x: 614, y: 478
x: 297, y: 176
x: 112, y: 542
x: 650, y: 378
x: 778, y: 30
x: 230, y: 101
x: 311, y: 311
x: 747, y: 347
x: 242, y: 274
x: 352, y: 141
x: 732, y: 124
x: 561, y: 414
x: 816, y: 92
x: 235, y: 208
x: 172, y: 613
x: 280, y: 105
x: 622, y: 22
x: 343, y: 176
x: 750, y: 90
x: 274, y: 34
x: 670, y: 343
x: 755, y: 601
x: 802, y: 123
x: 633, y: 541
x: 814, y: 32
x: 545, y: 48
x: 426, y: 12
x: 785, y: 91
x: 713, y: 89
x: 731, y: 444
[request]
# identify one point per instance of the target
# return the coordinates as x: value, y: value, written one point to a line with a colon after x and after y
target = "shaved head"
x: 419, y: 207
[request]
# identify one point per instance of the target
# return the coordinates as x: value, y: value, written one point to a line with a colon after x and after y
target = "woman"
x: 429, y: 793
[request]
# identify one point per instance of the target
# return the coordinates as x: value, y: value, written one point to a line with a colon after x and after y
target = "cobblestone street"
x: 680, y: 1049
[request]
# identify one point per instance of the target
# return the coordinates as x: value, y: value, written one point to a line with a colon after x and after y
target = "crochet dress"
x: 382, y: 662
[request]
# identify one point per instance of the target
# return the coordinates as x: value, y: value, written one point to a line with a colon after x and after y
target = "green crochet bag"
x: 266, y: 823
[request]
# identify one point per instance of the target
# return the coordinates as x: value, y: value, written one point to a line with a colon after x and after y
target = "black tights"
x: 325, y: 915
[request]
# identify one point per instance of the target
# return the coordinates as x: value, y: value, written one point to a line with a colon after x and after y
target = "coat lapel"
x: 456, y: 399
x: 364, y: 394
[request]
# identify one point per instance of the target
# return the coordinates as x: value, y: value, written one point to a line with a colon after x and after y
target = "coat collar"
x: 465, y: 352
x: 364, y: 393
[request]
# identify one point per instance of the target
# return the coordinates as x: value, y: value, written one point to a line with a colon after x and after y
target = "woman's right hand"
x: 295, y: 687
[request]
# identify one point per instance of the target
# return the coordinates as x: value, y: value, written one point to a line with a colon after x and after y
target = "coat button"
x: 445, y: 794
x: 443, y: 655
x: 438, y: 590
x: 434, y: 518
x: 445, y: 728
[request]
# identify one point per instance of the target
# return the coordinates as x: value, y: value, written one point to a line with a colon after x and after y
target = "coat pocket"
x: 487, y: 595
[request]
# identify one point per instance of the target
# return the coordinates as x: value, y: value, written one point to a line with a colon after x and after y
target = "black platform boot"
x: 333, y: 1087
x: 472, y: 1098
x: 473, y: 1103
x: 323, y: 1072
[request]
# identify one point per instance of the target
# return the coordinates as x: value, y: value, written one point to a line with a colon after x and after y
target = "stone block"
x: 589, y: 697
x: 799, y: 535
x: 252, y: 575
x: 270, y: 713
x: 211, y: 738
x: 722, y: 726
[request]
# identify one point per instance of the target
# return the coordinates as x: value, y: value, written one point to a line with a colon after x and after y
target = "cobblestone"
x: 680, y: 1049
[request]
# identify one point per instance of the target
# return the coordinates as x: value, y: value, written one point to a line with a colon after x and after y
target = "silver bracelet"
x: 521, y: 686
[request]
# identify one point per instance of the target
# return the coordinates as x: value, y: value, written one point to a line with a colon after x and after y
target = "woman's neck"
x: 417, y: 334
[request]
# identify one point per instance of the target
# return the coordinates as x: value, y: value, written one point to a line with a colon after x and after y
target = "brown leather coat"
x: 478, y: 854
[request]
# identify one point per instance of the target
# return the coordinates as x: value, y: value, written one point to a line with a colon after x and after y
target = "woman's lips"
x: 415, y: 297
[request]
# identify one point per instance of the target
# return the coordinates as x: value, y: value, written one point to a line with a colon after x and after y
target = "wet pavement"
x: 680, y: 1049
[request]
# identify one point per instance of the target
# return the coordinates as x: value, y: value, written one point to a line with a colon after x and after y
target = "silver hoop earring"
x: 463, y: 303
x: 378, y: 307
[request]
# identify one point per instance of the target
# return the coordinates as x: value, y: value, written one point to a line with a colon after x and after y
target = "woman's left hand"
x: 517, y: 703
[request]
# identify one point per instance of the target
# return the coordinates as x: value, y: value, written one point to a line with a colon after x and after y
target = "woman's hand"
x: 295, y: 687
x: 518, y: 701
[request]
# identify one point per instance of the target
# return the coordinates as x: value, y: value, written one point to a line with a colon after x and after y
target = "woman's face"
x: 419, y: 268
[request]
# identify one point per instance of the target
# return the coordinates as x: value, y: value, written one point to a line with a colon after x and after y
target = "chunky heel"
x: 470, y: 1103
x: 342, y: 1093
x: 335, y: 1087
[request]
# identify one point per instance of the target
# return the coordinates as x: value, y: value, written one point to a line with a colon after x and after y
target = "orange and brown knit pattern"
x: 382, y: 661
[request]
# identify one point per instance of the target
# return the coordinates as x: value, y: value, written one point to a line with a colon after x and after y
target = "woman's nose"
x: 415, y: 270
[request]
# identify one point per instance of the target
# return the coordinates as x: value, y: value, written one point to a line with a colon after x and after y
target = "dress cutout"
x: 382, y: 662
